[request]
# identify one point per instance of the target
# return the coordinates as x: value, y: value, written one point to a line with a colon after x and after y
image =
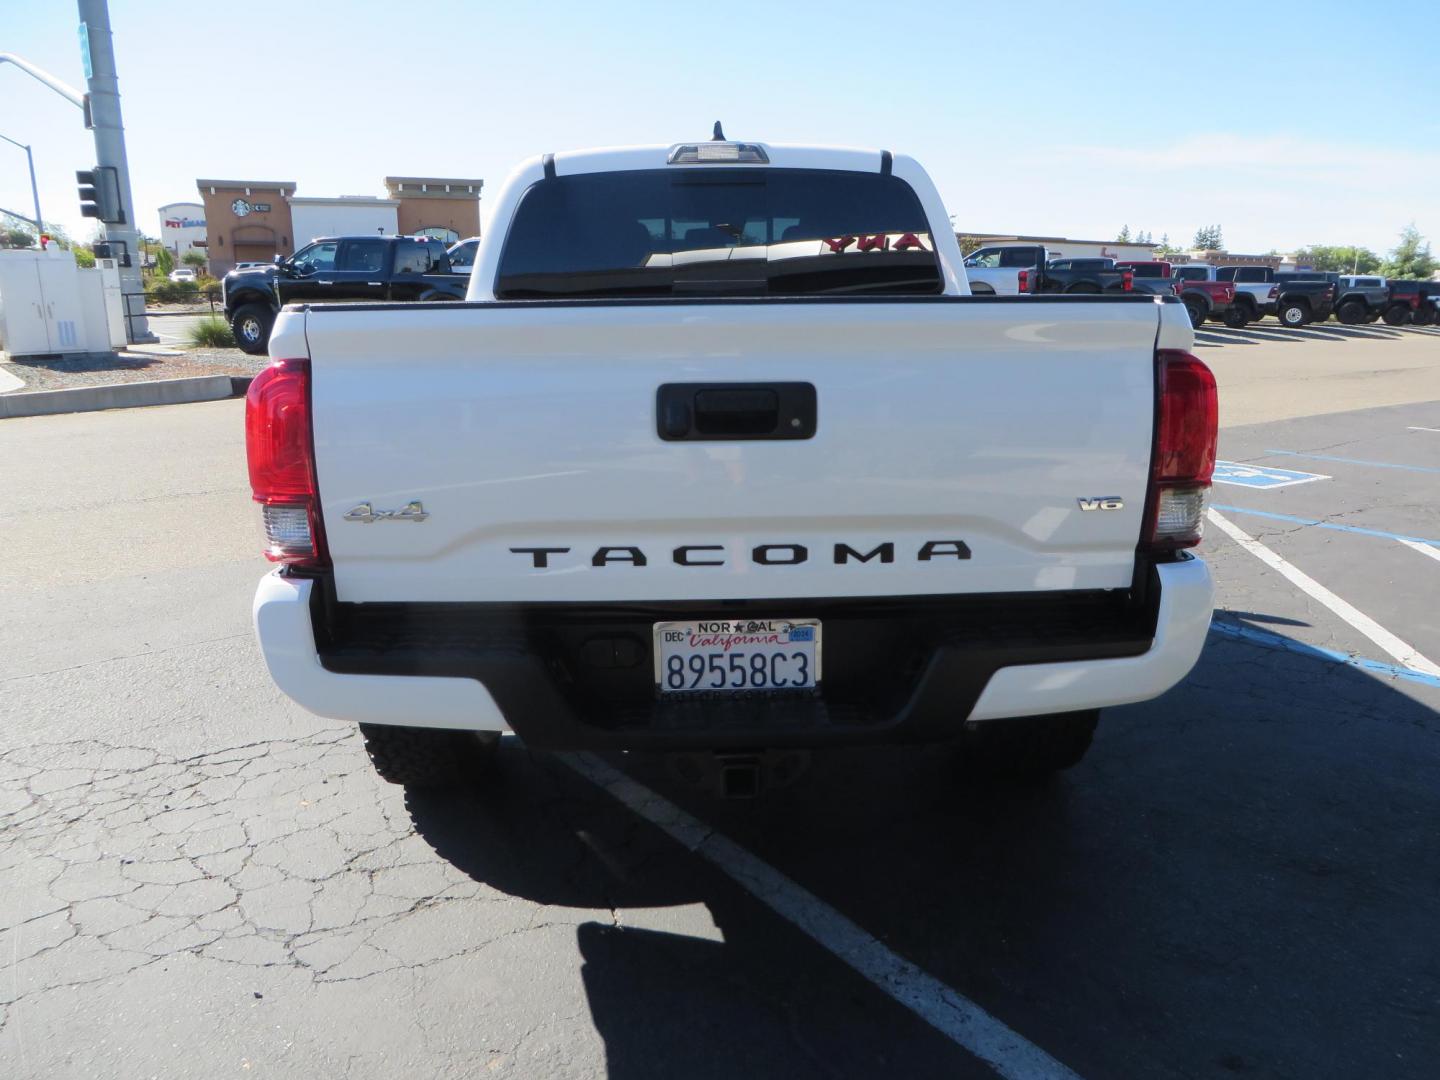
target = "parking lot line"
x: 1424, y: 549
x: 1317, y: 523
x: 1257, y: 636
x: 1413, y: 427
x: 1400, y: 650
x: 1355, y: 461
x: 945, y: 1009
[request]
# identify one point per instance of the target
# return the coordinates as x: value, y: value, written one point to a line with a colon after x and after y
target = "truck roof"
x: 780, y: 155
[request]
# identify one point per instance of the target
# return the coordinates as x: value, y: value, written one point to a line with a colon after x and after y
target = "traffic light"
x: 100, y: 194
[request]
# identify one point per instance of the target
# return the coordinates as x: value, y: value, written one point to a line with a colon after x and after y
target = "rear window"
x: 1192, y: 273
x: 1146, y: 269
x: 718, y: 232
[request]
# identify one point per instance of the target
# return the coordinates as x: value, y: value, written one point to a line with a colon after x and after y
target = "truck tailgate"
x: 956, y: 442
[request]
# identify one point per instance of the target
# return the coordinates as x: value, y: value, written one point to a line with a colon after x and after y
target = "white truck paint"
x: 500, y: 471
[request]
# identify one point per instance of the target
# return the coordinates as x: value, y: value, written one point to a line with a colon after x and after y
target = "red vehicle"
x: 1203, y: 298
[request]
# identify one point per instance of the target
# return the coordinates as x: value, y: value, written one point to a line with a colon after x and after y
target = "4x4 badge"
x: 366, y: 514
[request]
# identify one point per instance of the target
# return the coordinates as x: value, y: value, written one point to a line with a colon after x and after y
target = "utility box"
x: 41, y: 307
x: 109, y: 271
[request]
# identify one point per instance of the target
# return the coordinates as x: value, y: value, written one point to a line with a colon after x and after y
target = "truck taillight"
x: 1127, y: 280
x: 280, y: 447
x: 1274, y: 291
x: 1187, y: 420
x: 1024, y: 280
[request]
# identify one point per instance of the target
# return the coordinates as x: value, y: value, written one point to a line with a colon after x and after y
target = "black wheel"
x: 1293, y: 313
x: 428, y: 757
x: 1423, y: 317
x: 1397, y: 315
x: 1351, y: 312
x: 1196, y: 311
x: 1235, y: 318
x: 251, y: 326
x: 1027, y: 747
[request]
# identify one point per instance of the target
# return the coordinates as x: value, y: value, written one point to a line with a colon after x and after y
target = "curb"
x: 124, y: 395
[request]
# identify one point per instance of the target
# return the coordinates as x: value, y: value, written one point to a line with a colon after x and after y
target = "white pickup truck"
x: 721, y: 459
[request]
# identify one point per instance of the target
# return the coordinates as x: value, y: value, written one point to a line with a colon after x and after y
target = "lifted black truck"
x: 373, y: 268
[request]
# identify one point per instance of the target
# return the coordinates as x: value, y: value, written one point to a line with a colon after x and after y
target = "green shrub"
x: 211, y: 332
x: 165, y: 291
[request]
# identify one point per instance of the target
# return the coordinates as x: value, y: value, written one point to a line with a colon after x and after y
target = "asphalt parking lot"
x: 201, y: 880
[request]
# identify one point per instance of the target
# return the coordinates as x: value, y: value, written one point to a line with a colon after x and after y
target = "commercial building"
x: 1229, y: 258
x: 182, y: 228
x: 254, y: 220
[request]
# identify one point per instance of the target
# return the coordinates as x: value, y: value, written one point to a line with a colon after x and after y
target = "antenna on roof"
x: 719, y: 135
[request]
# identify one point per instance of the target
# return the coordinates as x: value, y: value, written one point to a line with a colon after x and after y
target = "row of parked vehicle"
x: 1234, y: 295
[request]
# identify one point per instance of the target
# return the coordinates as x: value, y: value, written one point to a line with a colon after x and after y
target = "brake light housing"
x: 280, y: 451
x: 1024, y: 281
x: 1182, y: 464
x: 1127, y: 280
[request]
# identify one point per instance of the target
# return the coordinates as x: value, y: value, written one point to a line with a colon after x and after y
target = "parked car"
x: 182, y: 273
x: 1297, y: 301
x: 1015, y: 269
x: 462, y: 255
x: 375, y: 268
x: 1403, y: 302
x: 1428, y: 311
x: 1362, y: 298
x: 1222, y: 294
x: 1253, y: 287
x: 1203, y: 299
x: 626, y: 517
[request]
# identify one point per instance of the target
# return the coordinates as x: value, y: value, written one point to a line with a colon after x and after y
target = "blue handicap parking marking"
x: 1261, y: 476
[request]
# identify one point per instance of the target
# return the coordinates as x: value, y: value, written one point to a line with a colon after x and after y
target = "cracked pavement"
x: 197, y: 879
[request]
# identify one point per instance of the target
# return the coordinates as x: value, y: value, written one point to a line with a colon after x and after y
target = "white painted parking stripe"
x: 1401, y: 651
x: 946, y: 1010
x: 1412, y: 427
x: 1424, y: 549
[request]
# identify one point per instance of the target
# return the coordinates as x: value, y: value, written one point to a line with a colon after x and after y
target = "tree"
x: 1411, y: 257
x: 84, y: 257
x: 1143, y: 237
x: 164, y: 261
x: 12, y: 237
x: 1348, y: 259
x: 194, y: 258
x: 967, y: 243
x: 1208, y: 238
x: 1123, y: 237
x: 1164, y: 248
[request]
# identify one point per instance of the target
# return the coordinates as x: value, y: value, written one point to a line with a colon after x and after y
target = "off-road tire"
x: 1396, y: 316
x: 1236, y: 318
x: 1422, y: 318
x: 1351, y: 312
x: 1293, y: 315
x: 1196, y: 313
x: 428, y: 757
x: 1025, y: 748
x: 251, y: 326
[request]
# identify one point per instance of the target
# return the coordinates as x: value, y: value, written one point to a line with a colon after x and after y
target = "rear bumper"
x: 981, y: 659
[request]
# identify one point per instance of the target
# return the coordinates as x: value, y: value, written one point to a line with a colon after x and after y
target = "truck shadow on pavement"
x: 1238, y: 879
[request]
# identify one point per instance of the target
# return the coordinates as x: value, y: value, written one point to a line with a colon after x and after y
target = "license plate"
x: 737, y: 655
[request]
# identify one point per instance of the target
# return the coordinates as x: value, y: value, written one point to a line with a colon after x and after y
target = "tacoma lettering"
x: 702, y: 555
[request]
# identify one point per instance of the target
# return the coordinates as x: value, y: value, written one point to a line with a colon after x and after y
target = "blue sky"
x: 1045, y: 118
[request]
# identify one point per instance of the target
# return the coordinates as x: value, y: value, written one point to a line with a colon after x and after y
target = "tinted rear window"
x: 718, y: 232
x: 1192, y: 273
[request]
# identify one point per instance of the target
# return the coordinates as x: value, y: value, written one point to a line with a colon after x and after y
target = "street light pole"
x: 34, y: 191
x: 109, y: 128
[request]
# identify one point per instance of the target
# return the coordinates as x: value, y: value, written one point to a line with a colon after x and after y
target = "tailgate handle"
x: 700, y: 412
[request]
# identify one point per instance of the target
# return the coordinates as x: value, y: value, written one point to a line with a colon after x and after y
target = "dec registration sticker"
x: 737, y: 655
